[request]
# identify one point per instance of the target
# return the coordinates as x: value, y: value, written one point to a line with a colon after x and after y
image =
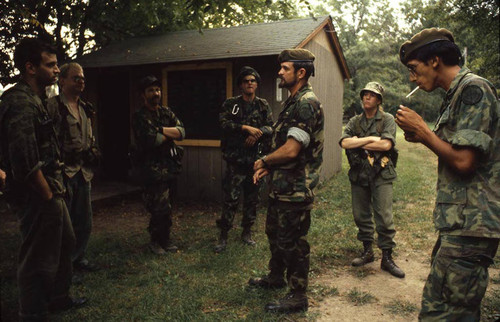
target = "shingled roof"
x: 260, y: 39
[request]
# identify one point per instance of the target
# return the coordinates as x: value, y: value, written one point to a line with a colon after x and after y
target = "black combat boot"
x: 366, y: 257
x: 221, y: 246
x: 246, y: 237
x: 268, y: 282
x: 295, y: 301
x: 388, y: 264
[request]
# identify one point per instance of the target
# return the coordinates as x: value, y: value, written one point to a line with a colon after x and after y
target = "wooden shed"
x: 198, y: 72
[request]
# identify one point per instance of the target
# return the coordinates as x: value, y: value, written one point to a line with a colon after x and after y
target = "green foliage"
x: 80, y: 26
x: 371, y: 34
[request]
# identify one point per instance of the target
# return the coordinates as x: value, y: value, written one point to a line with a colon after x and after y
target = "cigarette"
x: 412, y: 92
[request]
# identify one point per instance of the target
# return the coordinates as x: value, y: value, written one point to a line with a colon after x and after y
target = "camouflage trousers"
x: 80, y: 212
x: 44, y: 268
x: 458, y: 278
x: 374, y: 203
x: 287, y: 225
x: 238, y: 179
x: 156, y: 198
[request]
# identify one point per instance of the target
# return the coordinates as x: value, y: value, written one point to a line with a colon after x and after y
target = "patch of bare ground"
x: 392, y: 299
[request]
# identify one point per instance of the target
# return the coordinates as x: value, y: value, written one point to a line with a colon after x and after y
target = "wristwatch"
x: 263, y: 159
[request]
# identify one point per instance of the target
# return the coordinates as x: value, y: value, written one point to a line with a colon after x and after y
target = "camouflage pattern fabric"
x: 160, y: 160
x: 156, y: 198
x: 292, y: 184
x: 458, y: 278
x: 466, y: 206
x: 239, y: 158
x: 469, y: 205
x: 287, y: 225
x: 361, y: 171
x: 159, y: 166
x: 29, y: 144
x: 294, y: 181
x: 238, y: 180
x: 236, y: 112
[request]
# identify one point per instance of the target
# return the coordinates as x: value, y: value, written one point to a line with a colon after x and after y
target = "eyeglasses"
x: 250, y: 81
x: 78, y: 79
x: 412, y: 69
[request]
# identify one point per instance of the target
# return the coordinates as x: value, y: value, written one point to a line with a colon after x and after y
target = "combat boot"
x: 170, y: 247
x: 268, y: 282
x: 388, y: 264
x: 246, y: 237
x: 366, y: 257
x: 221, y: 246
x: 295, y: 301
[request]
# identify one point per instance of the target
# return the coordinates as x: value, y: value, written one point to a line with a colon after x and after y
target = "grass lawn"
x: 197, y: 285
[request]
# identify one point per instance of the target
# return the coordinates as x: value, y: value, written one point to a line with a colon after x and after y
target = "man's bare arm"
x: 287, y: 152
x: 39, y: 184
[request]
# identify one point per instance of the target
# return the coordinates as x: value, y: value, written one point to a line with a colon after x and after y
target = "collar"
x: 307, y: 87
x: 456, y: 81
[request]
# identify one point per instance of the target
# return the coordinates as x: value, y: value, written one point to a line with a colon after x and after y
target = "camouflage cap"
x: 147, y: 81
x: 423, y: 38
x: 375, y: 88
x: 296, y: 55
x: 245, y: 71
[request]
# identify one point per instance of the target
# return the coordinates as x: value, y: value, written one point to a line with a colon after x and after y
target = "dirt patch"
x: 388, y: 293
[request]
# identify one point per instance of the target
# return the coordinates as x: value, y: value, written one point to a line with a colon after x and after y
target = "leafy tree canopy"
x: 80, y: 26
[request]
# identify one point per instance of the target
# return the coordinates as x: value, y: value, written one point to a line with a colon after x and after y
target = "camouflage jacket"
x: 236, y: 112
x: 295, y: 180
x: 75, y: 136
x: 469, y: 205
x: 29, y: 141
x: 361, y: 172
x: 161, y: 157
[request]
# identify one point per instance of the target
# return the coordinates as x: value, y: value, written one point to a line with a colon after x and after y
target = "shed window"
x: 196, y: 97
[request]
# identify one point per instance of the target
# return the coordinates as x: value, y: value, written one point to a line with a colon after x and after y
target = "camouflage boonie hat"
x: 147, y: 81
x: 296, y: 55
x: 425, y: 37
x: 375, y: 88
x: 245, y: 71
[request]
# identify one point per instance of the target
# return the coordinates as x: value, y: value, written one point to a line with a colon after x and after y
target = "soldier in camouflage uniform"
x: 246, y: 122
x: 369, y: 140
x: 155, y: 127
x: 466, y: 139
x: 77, y: 141
x: 31, y: 158
x: 294, y: 167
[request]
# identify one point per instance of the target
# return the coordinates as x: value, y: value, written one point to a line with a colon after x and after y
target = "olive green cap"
x: 423, y: 38
x: 375, y: 88
x: 296, y: 55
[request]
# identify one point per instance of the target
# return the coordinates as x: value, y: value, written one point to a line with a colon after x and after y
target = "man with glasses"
x: 246, y: 122
x: 466, y: 140
x: 78, y: 152
x: 369, y: 140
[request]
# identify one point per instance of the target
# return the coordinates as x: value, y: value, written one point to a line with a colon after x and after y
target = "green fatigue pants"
x: 80, y: 211
x: 238, y: 179
x: 44, y: 269
x: 156, y: 199
x: 458, y: 278
x: 287, y: 225
x: 370, y: 203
